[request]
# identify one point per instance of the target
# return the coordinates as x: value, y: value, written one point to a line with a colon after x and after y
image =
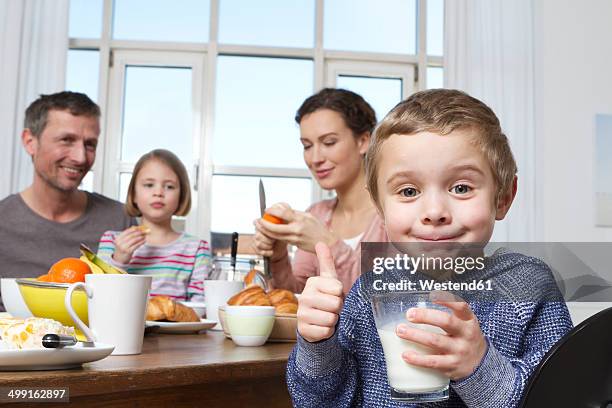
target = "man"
x: 47, y: 221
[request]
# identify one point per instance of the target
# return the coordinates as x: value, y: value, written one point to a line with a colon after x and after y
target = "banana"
x: 94, y: 268
x: 93, y: 258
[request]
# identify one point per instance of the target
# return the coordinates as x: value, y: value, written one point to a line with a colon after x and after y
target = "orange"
x: 44, y: 278
x: 273, y: 219
x: 69, y: 270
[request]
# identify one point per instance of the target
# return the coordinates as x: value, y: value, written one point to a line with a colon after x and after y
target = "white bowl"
x: 198, y: 307
x: 250, y: 325
x: 12, y: 299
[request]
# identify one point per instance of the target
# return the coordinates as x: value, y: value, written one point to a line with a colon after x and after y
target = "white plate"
x: 181, y: 327
x: 52, y: 359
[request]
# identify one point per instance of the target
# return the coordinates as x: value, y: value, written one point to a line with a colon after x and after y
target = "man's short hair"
x: 78, y: 104
x: 443, y: 111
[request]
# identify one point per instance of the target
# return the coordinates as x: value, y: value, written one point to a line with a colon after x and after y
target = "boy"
x: 439, y: 170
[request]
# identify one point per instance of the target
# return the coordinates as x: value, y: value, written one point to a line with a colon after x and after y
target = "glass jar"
x: 222, y: 268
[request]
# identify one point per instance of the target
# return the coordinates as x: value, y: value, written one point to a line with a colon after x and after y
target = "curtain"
x: 489, y: 53
x: 33, y: 53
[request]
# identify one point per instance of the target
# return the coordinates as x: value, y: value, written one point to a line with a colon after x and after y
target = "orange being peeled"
x: 273, y: 219
x: 69, y: 270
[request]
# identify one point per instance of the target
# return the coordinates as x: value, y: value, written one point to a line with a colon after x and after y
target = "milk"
x: 402, y: 376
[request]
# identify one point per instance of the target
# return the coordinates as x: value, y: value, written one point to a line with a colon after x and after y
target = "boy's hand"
x: 321, y: 301
x: 127, y: 242
x: 456, y: 354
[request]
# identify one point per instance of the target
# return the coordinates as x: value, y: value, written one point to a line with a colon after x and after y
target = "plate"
x: 180, y: 327
x: 52, y: 359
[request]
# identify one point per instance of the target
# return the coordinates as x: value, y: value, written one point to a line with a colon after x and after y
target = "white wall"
x: 573, y: 82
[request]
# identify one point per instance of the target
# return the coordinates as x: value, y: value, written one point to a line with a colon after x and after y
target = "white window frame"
x: 113, y: 164
x: 325, y: 62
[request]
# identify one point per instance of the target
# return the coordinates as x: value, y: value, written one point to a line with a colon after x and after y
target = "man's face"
x: 436, y: 188
x: 65, y: 150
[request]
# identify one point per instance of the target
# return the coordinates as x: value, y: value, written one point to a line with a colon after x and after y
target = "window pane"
x: 235, y: 199
x: 87, y: 182
x: 124, y: 183
x: 85, y: 19
x: 279, y: 23
x: 162, y: 20
x: 365, y: 25
x: 381, y: 93
x: 435, y: 77
x: 157, y: 112
x: 82, y: 72
x: 435, y: 27
x: 256, y: 100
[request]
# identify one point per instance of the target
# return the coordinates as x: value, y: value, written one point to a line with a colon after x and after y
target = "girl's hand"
x: 302, y: 229
x: 457, y: 353
x: 127, y: 242
x: 320, y: 303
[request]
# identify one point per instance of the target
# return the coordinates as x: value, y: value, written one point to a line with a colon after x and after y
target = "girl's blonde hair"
x: 169, y: 159
x: 443, y: 111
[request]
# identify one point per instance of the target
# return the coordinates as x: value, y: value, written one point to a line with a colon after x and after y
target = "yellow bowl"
x: 46, y: 299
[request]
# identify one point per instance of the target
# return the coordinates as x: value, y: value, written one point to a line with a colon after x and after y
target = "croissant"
x: 251, y: 296
x: 286, y: 308
x: 164, y: 308
x: 279, y: 296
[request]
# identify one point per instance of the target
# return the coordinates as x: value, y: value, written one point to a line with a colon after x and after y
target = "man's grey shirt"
x: 30, y: 243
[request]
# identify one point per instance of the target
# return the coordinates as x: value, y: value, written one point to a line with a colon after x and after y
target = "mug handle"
x: 68, y: 304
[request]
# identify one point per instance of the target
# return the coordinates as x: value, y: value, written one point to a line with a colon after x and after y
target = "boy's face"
x: 437, y: 188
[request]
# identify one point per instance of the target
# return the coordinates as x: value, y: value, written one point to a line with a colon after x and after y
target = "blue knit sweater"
x: 348, y: 369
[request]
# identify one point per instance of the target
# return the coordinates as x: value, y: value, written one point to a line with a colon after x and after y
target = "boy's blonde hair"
x: 170, y: 160
x: 443, y: 111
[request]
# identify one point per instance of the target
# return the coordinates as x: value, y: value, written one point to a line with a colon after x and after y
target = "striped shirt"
x: 178, y: 268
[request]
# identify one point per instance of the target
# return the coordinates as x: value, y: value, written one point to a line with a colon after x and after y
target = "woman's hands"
x: 457, y: 353
x: 127, y: 242
x: 301, y: 229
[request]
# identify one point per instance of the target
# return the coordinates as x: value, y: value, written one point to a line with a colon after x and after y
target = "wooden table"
x: 175, y: 370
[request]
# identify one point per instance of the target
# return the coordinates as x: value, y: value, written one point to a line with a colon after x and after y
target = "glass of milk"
x: 408, y: 382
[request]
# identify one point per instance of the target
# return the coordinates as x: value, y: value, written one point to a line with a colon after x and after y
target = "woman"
x: 335, y: 128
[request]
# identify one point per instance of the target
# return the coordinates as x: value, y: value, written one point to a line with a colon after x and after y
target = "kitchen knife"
x: 262, y: 209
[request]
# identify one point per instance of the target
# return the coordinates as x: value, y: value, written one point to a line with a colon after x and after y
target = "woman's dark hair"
x: 356, y: 112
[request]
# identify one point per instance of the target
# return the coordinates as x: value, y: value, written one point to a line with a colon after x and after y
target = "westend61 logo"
x: 429, y: 265
x: 417, y: 267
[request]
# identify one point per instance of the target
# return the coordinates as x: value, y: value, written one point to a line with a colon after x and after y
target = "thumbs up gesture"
x: 321, y: 301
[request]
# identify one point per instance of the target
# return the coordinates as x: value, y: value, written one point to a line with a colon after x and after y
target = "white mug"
x: 117, y: 306
x: 216, y: 293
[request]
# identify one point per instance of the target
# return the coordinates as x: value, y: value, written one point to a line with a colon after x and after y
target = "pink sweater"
x: 347, y: 259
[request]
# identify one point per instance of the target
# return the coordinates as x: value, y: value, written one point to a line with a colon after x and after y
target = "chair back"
x: 577, y: 371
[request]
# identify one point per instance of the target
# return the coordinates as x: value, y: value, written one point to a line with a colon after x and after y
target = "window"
x: 160, y: 20
x: 85, y: 19
x: 365, y: 25
x: 83, y: 71
x: 435, y: 77
x: 255, y: 105
x: 278, y: 23
x: 218, y: 82
x: 235, y: 199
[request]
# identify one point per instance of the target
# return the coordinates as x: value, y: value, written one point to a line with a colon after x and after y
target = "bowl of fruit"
x: 45, y: 295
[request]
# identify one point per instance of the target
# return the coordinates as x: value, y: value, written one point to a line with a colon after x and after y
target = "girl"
x: 178, y: 262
